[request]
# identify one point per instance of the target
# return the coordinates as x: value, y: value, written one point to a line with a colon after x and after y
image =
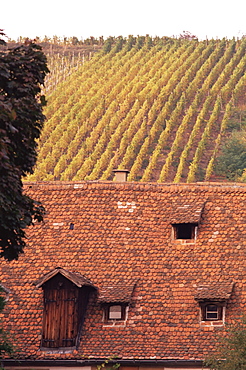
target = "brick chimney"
x: 121, y: 175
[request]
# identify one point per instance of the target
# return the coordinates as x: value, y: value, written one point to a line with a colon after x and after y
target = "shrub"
x: 232, y: 161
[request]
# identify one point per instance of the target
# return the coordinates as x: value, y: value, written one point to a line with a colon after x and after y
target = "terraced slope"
x: 161, y: 112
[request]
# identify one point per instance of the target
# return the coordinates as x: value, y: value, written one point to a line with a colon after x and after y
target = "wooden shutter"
x: 60, y: 321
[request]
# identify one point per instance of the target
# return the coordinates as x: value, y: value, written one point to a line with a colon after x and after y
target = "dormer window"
x: 61, y: 313
x: 212, y: 311
x: 185, y: 219
x: 212, y: 299
x: 185, y: 231
x: 115, y: 301
x: 115, y: 312
x: 66, y: 297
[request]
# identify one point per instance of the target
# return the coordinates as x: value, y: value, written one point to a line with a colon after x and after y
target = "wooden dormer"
x: 66, y: 296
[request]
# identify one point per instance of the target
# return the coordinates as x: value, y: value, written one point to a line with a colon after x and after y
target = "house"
x: 145, y: 274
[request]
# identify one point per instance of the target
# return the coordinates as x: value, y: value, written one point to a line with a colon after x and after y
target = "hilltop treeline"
x: 159, y: 109
x: 64, y: 42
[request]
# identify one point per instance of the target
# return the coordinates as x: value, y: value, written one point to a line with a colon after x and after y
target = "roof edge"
x: 225, y: 186
x: 96, y: 361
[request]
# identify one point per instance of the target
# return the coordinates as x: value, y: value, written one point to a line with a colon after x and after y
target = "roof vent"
x: 121, y: 175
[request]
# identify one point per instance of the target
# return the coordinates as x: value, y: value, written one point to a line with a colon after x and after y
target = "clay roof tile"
x: 215, y: 291
x: 75, y: 278
x: 117, y: 293
x: 186, y: 212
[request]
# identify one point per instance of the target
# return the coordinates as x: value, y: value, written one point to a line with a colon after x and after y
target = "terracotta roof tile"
x: 187, y: 213
x: 118, y: 293
x: 77, y: 279
x: 215, y: 291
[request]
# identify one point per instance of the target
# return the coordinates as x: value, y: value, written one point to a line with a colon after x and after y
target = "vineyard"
x: 160, y: 110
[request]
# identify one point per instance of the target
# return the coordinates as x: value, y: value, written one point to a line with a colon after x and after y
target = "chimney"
x: 121, y: 175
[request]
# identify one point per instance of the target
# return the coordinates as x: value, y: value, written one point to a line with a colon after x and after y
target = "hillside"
x: 161, y: 111
x: 64, y: 57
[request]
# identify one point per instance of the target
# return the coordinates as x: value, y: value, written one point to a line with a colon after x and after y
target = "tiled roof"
x: 123, y: 234
x: 215, y: 291
x: 187, y: 213
x: 77, y: 279
x: 119, y: 293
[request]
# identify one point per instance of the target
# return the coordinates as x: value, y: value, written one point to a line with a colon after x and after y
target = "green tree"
x: 130, y: 42
x: 108, y: 45
x: 232, y: 160
x: 119, y: 44
x: 243, y: 177
x: 22, y: 72
x: 231, y: 349
x: 74, y: 40
x: 5, y: 344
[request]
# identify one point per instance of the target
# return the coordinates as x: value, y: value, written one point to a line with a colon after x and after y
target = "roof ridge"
x: 137, y: 185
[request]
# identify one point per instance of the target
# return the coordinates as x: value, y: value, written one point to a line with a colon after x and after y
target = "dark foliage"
x: 22, y: 71
x: 5, y: 344
x: 232, y: 161
x: 231, y: 349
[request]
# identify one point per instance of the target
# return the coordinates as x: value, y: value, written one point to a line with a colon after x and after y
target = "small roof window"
x: 211, y: 312
x: 212, y: 301
x: 115, y: 312
x: 185, y: 231
x: 115, y: 300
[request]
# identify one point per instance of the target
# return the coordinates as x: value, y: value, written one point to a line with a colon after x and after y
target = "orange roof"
x: 118, y: 293
x: 122, y: 233
x: 215, y: 291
